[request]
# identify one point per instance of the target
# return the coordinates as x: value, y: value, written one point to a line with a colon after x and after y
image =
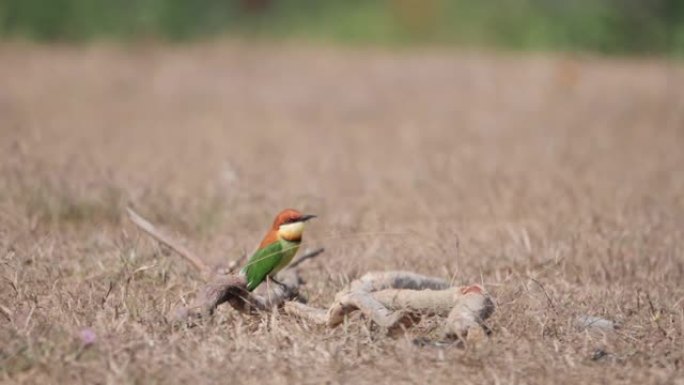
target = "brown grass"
x: 556, y: 182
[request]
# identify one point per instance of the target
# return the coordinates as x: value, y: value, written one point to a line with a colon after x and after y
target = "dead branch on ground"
x: 152, y: 231
x: 386, y: 298
x: 224, y: 285
x: 389, y: 298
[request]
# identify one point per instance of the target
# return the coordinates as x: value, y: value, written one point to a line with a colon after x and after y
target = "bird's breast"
x: 291, y: 232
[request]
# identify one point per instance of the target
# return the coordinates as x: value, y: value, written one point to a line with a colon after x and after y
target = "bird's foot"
x: 282, y: 285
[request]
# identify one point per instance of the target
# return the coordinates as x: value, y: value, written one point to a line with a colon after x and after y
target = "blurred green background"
x: 607, y: 26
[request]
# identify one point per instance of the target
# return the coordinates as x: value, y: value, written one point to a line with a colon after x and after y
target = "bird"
x: 277, y: 249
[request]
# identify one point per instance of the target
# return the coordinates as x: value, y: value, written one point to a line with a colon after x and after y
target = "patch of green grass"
x: 17, y: 361
x: 604, y: 25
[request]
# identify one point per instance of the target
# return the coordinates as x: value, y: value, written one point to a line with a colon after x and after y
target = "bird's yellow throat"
x: 291, y: 231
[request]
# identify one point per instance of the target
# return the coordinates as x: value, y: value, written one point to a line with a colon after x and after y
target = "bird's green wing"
x: 261, y: 263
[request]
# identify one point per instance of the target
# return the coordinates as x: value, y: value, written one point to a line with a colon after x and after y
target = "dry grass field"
x: 557, y: 182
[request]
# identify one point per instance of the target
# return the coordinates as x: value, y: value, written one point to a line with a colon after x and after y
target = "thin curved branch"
x: 304, y: 257
x: 152, y: 231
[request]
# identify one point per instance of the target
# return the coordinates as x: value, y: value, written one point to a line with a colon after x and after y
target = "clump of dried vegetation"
x: 554, y: 182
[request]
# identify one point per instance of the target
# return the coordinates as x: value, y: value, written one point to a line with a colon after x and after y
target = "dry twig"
x: 152, y: 231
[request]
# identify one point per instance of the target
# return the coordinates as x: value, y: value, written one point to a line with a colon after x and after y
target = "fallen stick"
x: 305, y: 256
x: 152, y: 231
x: 387, y: 298
x: 232, y: 288
x: 375, y: 281
x: 306, y: 312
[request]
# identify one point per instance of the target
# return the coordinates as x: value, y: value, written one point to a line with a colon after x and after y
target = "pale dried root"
x: 388, y: 298
x: 379, y: 280
x: 470, y: 310
x: 306, y: 312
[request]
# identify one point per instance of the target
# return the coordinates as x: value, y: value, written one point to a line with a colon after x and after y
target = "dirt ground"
x: 557, y: 182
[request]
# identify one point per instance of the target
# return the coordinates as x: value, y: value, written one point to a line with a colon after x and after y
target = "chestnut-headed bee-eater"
x: 277, y: 248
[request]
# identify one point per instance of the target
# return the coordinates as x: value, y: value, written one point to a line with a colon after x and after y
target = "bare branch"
x: 347, y: 302
x: 435, y: 302
x: 152, y: 231
x: 375, y: 281
x: 471, y: 309
x: 309, y: 255
x: 232, y: 288
x: 311, y: 314
x: 387, y: 297
x: 234, y: 265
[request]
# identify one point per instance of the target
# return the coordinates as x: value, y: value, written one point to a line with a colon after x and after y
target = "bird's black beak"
x: 305, y: 218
